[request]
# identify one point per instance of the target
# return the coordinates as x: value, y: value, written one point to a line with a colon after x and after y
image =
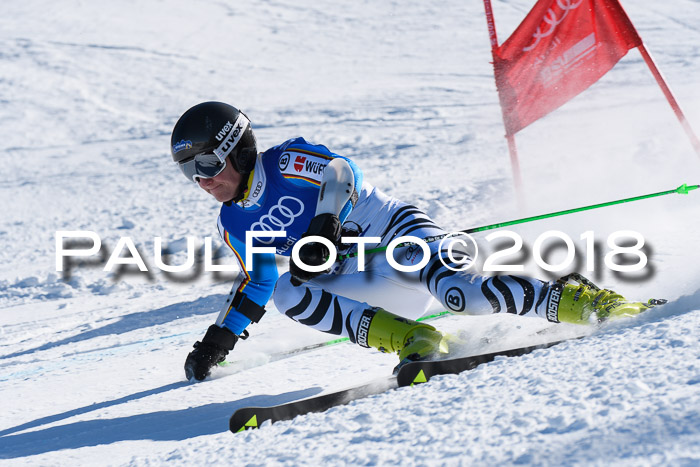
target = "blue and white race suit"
x: 282, y: 195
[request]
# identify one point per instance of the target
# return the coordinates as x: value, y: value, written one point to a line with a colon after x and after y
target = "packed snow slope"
x: 91, y: 361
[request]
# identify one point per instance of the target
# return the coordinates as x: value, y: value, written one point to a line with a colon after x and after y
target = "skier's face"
x: 224, y: 187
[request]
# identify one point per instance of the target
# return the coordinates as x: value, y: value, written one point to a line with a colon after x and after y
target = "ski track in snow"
x: 91, y: 364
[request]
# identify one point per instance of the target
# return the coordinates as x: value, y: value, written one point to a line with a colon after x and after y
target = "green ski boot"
x: 390, y: 333
x: 583, y: 302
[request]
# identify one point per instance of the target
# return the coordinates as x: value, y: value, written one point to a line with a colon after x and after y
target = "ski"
x: 420, y: 372
x: 252, y: 417
x: 408, y: 375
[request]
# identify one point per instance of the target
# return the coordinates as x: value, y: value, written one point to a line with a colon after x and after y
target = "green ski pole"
x: 683, y: 190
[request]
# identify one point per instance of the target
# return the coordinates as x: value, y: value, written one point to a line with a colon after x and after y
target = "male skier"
x: 306, y: 190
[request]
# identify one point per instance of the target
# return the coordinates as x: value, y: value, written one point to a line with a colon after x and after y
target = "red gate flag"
x: 559, y: 50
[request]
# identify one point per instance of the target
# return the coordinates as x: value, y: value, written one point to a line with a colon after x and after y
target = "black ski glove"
x: 315, y: 253
x: 213, y: 348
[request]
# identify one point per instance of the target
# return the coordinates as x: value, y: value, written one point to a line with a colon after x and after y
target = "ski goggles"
x: 202, y: 166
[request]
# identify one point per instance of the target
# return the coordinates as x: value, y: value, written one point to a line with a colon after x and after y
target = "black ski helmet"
x: 215, y: 128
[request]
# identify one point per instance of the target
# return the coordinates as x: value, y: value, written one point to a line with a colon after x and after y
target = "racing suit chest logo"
x: 278, y: 217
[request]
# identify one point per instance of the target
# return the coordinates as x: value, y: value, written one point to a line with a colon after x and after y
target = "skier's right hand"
x: 315, y: 253
x: 213, y: 348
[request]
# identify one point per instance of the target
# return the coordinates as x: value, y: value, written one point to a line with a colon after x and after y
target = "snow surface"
x: 91, y: 364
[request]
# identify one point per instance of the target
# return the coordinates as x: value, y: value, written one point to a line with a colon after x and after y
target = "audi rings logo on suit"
x: 279, y: 216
